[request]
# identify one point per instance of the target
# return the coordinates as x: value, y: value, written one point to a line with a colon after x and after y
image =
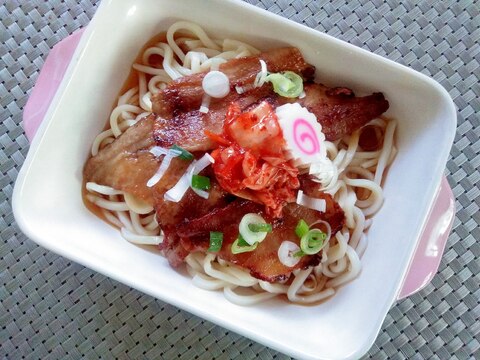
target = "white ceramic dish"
x: 47, y: 197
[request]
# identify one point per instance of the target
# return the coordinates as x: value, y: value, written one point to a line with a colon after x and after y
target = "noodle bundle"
x: 354, y: 179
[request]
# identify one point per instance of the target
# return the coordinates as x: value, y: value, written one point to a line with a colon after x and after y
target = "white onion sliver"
x: 163, y: 167
x: 286, y: 253
x: 158, y: 151
x: 202, y: 163
x: 204, y: 108
x: 177, y: 192
x: 310, y: 202
x: 262, y: 75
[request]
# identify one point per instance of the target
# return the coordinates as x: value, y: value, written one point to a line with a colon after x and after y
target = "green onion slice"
x: 286, y: 84
x: 260, y: 227
x: 241, y: 241
x: 200, y: 182
x: 312, y: 242
x: 250, y: 236
x: 216, y: 240
x: 301, y: 228
x: 241, y: 246
x: 184, y: 154
x: 299, y: 253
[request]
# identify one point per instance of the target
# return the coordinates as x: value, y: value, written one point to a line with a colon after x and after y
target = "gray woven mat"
x: 53, y: 308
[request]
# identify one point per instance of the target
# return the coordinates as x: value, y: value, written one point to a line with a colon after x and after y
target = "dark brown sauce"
x: 96, y: 210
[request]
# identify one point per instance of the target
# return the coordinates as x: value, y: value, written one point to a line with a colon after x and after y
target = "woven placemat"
x: 53, y: 308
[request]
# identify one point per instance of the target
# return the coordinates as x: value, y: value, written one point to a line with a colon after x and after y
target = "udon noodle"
x: 354, y: 180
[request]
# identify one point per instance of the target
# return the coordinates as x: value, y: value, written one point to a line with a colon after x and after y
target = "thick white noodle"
x: 140, y: 239
x: 190, y: 50
x: 246, y: 300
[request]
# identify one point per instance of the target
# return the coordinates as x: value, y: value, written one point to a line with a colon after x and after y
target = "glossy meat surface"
x: 187, y: 129
x: 127, y: 165
x: 191, y: 206
x: 339, y: 111
x: 118, y: 165
x: 185, y: 94
x: 263, y: 263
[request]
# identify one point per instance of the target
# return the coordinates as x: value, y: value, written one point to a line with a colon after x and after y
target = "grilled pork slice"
x: 127, y: 165
x: 187, y: 129
x: 118, y: 164
x: 185, y: 94
x: 338, y: 110
x: 170, y: 214
x: 263, y: 263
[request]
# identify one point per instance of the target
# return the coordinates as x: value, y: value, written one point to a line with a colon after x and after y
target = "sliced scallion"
x: 260, y: 227
x: 216, y: 240
x: 241, y: 246
x: 299, y: 253
x: 184, y: 154
x: 200, y: 182
x: 251, y: 237
x: 286, y: 84
x: 287, y: 253
x: 301, y: 228
x: 312, y: 242
x: 241, y: 241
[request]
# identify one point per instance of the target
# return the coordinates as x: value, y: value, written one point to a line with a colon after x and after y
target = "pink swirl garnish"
x: 305, y: 137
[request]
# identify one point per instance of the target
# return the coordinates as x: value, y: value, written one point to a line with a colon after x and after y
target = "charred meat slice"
x: 339, y: 111
x: 187, y: 129
x: 185, y: 94
x: 179, y: 121
x: 191, y: 206
x: 263, y: 263
x: 127, y: 165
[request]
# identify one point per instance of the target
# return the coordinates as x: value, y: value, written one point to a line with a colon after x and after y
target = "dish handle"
x: 426, y: 260
x: 428, y: 254
x: 47, y: 83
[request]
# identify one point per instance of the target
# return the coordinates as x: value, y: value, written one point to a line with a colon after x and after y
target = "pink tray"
x: 428, y: 254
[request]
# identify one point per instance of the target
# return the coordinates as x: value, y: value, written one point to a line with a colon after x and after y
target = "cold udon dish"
x: 235, y: 163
